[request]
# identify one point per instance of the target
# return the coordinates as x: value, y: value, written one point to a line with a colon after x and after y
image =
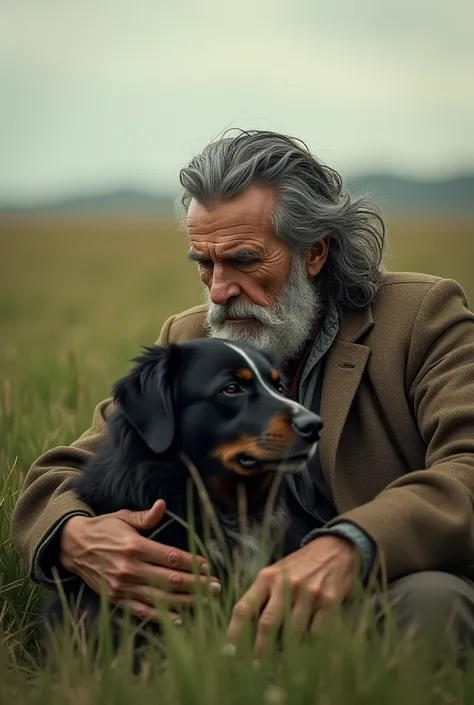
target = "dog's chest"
x: 251, y: 546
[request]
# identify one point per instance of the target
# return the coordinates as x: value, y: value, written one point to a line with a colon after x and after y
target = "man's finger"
x: 317, y: 620
x: 157, y: 598
x: 168, y: 556
x: 144, y: 519
x: 248, y: 605
x: 174, y: 580
x: 302, y: 612
x: 270, y: 620
x: 146, y: 613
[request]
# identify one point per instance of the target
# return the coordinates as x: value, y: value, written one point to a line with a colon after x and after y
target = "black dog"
x: 221, y: 405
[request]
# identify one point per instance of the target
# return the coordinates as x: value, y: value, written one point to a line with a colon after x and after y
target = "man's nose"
x: 222, y: 288
x: 307, y: 425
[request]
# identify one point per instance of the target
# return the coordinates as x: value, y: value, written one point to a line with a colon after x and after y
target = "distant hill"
x: 392, y: 193
x: 106, y: 202
x: 396, y: 194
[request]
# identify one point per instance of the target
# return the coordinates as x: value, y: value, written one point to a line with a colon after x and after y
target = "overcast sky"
x: 97, y: 93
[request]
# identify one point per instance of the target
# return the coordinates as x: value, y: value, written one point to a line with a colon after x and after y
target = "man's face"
x: 258, y: 292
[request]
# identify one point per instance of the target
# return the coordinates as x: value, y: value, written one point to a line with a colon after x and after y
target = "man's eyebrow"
x: 242, y: 256
x: 195, y: 256
x: 239, y: 256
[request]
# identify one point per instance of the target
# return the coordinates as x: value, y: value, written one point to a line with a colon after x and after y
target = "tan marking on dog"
x: 275, y: 375
x: 245, y: 373
x: 227, y: 454
x: 274, y: 444
x: 279, y: 429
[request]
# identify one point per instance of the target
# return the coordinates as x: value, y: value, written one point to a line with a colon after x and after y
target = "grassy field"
x: 77, y: 300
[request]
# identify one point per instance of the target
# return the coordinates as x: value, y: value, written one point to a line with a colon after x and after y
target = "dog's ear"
x: 145, y: 396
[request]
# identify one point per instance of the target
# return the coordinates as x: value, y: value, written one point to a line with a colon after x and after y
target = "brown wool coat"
x: 397, y: 447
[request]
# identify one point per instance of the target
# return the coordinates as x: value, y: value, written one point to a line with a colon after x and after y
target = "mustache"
x: 218, y: 313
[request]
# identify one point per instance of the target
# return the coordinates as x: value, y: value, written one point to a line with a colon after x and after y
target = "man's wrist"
x: 68, y: 540
x: 364, y: 544
x: 49, y: 551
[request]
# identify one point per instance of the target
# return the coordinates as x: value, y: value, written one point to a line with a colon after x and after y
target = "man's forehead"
x: 253, y: 206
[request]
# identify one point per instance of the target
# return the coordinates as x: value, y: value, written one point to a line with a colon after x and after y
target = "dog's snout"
x: 307, y: 425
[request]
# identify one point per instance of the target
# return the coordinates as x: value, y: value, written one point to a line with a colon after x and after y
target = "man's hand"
x: 138, y: 572
x: 316, y: 576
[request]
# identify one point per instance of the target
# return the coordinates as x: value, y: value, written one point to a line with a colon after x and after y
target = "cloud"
x: 106, y: 90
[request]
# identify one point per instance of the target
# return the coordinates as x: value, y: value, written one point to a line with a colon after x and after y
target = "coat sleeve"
x: 46, y: 501
x: 425, y: 519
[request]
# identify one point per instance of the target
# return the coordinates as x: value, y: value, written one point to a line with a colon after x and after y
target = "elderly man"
x: 292, y: 264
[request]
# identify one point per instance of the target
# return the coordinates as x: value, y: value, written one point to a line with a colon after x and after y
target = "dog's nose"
x: 307, y: 425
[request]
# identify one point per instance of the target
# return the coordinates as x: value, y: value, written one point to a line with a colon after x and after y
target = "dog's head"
x: 219, y: 403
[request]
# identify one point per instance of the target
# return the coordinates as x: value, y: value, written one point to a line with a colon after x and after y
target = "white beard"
x: 283, y: 329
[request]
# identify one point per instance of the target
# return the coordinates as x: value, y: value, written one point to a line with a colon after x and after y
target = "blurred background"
x: 103, y: 102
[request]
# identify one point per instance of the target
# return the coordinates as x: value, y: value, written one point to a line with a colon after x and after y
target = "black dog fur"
x: 220, y: 404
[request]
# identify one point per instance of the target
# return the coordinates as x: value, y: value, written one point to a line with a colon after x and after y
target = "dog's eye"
x: 278, y: 385
x: 232, y: 389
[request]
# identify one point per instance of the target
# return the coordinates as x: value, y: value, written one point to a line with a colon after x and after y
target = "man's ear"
x: 316, y: 257
x: 145, y: 396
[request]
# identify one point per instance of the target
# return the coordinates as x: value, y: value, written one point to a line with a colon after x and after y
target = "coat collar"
x: 345, y: 365
x: 354, y: 322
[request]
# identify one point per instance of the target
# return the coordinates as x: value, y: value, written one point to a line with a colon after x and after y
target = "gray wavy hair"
x: 311, y: 204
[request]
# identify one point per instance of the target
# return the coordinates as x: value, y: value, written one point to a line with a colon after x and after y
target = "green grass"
x: 77, y: 300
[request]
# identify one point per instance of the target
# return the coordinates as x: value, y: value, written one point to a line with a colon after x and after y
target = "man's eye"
x: 206, y: 264
x: 248, y: 263
x: 232, y: 389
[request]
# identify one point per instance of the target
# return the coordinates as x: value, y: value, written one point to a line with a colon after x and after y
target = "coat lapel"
x: 344, y: 368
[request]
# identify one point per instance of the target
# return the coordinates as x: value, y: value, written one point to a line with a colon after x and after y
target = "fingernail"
x: 216, y: 588
x: 205, y: 568
x: 177, y: 622
x: 274, y: 695
x: 228, y: 650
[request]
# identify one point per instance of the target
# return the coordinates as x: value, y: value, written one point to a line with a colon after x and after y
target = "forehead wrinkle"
x: 227, y: 250
x: 223, y: 232
x: 246, y: 216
